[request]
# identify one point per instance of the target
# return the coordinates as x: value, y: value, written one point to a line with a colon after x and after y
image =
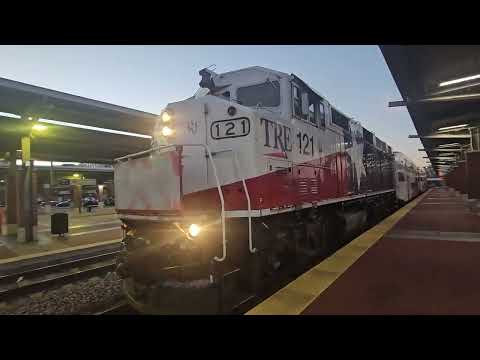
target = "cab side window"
x: 321, y: 114
x: 401, y: 177
x: 297, y: 101
x: 316, y: 109
x: 312, y: 112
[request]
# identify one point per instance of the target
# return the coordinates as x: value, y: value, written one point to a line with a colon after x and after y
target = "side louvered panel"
x: 314, y: 186
x: 302, y: 187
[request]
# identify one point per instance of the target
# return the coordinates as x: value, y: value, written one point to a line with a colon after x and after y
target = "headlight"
x: 194, y: 230
x: 166, y: 117
x: 166, y: 131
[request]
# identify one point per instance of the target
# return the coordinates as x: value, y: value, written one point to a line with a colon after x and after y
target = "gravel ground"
x: 82, y: 297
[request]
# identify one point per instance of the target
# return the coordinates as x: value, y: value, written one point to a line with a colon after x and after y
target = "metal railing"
x: 219, y: 188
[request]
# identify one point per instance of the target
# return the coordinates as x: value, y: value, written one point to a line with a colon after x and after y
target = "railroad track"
x: 17, y: 284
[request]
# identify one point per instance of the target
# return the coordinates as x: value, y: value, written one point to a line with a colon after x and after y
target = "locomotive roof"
x: 297, y: 79
x: 258, y: 68
x: 283, y: 74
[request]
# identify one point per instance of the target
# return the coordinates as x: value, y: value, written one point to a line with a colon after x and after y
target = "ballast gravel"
x: 81, y: 297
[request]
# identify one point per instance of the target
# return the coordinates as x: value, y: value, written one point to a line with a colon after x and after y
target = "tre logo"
x: 277, y: 136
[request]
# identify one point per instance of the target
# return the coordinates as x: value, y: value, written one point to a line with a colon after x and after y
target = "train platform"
x: 421, y: 260
x: 85, y: 231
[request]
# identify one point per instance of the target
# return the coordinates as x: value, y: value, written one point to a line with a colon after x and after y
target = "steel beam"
x: 441, y: 150
x: 453, y: 89
x: 464, y: 97
x: 439, y: 136
x: 441, y: 158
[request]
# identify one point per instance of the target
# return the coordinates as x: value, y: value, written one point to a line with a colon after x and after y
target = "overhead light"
x: 453, y: 127
x: 39, y: 127
x: 76, y: 175
x: 450, y: 145
x: 456, y: 81
x: 86, y: 127
x: 10, y: 115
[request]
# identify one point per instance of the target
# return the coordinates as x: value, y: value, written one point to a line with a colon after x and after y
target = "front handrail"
x: 247, y: 195
x: 219, y: 188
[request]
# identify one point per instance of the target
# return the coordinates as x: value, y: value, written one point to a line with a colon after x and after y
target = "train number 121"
x: 230, y: 128
x: 305, y: 144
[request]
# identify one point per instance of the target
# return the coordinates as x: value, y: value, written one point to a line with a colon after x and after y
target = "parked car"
x: 65, y: 203
x: 89, y: 201
x: 109, y: 201
x: 41, y: 202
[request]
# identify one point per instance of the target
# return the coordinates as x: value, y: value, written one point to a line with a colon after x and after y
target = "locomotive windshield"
x: 265, y: 95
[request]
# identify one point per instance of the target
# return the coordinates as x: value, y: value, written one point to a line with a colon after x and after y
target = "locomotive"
x: 254, y: 172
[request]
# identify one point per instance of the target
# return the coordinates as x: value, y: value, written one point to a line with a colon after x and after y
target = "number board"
x: 232, y: 128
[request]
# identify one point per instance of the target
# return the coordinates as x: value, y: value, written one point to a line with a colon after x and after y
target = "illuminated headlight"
x: 166, y: 131
x: 166, y: 116
x: 194, y: 230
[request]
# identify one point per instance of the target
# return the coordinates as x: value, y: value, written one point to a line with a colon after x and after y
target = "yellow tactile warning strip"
x: 296, y: 296
x: 55, y: 252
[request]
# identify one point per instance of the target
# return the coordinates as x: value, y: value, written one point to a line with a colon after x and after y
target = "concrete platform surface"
x: 83, y: 230
x: 421, y: 260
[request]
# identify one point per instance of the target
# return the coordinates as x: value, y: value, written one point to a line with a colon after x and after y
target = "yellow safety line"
x: 297, y: 295
x: 54, y: 252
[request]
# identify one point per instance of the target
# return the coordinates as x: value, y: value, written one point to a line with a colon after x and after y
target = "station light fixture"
x: 450, y: 145
x: 10, y: 115
x: 39, y: 127
x: 76, y: 175
x: 453, y: 127
x: 86, y: 127
x: 459, y: 80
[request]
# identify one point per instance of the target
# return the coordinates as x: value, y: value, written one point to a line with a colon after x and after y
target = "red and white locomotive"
x: 253, y: 172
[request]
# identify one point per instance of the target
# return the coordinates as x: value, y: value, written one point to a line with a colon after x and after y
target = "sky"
x: 354, y: 78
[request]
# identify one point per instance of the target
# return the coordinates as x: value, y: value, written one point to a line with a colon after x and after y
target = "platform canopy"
x: 440, y: 86
x: 62, y: 143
